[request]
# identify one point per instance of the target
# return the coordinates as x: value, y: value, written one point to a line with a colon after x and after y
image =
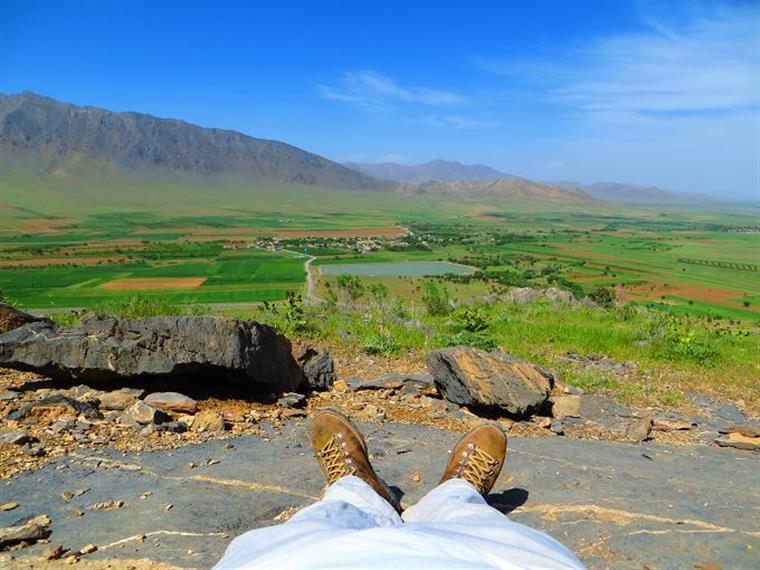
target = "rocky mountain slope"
x: 438, y: 170
x: 50, y: 137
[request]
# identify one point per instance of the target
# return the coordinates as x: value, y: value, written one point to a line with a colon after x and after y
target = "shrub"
x: 603, y: 296
x: 351, y: 286
x: 675, y: 339
x: 471, y: 319
x: 293, y: 313
x: 436, y: 299
x: 381, y: 344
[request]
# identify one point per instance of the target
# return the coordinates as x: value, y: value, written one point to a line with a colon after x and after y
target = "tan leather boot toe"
x: 340, y: 451
x: 478, y: 458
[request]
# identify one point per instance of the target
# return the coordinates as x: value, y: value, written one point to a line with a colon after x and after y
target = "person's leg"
x: 475, y: 464
x: 455, y: 500
x: 349, y: 503
x: 457, y: 508
x: 356, y: 499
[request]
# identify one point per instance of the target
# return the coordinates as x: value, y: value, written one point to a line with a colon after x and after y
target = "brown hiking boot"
x: 478, y: 458
x: 340, y: 451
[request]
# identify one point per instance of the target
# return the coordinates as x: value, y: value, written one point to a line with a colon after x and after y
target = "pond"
x: 393, y: 269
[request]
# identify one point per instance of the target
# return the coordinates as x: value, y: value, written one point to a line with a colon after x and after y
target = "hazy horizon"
x: 656, y: 94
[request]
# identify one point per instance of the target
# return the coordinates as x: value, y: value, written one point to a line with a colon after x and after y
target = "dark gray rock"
x: 101, y: 349
x: 292, y: 400
x: 491, y: 381
x: 31, y: 531
x: 9, y: 395
x: 56, y: 400
x: 643, y: 511
x: 17, y: 437
x: 33, y: 449
x: 318, y: 369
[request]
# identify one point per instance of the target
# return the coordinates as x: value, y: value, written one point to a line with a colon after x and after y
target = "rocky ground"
x: 615, y: 504
x: 99, y: 450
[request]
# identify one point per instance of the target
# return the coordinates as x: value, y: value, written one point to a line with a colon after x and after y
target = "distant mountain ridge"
x: 512, y: 187
x: 51, y: 137
x: 633, y: 193
x: 437, y: 170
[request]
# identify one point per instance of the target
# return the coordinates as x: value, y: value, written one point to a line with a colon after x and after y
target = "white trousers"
x: 353, y: 527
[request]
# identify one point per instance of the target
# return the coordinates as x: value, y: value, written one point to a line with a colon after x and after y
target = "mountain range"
x: 437, y: 170
x: 55, y: 142
x: 633, y: 193
x: 55, y: 138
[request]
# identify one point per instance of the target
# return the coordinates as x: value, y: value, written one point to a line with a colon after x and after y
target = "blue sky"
x: 662, y: 93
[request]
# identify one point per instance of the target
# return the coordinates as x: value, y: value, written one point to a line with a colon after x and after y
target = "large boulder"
x: 318, y: 368
x: 491, y: 381
x: 111, y: 349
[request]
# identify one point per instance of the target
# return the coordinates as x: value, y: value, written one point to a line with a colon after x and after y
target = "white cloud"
x: 378, y: 92
x: 707, y: 62
x: 676, y: 102
x: 455, y: 121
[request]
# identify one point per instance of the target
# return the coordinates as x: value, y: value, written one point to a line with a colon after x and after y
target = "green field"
x: 699, y: 262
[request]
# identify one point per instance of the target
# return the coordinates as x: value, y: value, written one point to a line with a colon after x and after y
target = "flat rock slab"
x: 620, y: 505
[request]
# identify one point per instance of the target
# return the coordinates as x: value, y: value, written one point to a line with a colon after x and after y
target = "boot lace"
x: 477, y: 467
x: 336, y: 461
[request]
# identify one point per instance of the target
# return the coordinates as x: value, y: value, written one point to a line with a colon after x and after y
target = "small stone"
x: 141, y: 413
x: 208, y: 420
x: 340, y: 386
x: 67, y: 496
x: 638, y: 429
x: 8, y: 395
x: 54, y: 552
x: 106, y: 505
x: 88, y: 549
x: 186, y: 419
x: 169, y: 507
x: 416, y: 477
x: 292, y: 400
x: 32, y: 530
x: 146, y: 494
x: 739, y: 441
x: 666, y: 425
x: 17, y: 437
x: 8, y: 506
x: 557, y: 426
x: 191, y: 465
x: 119, y: 399
x: 77, y: 512
x: 747, y: 430
x: 566, y: 405
x: 172, y: 402
x: 33, y: 449
x: 212, y: 462
x: 293, y: 413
